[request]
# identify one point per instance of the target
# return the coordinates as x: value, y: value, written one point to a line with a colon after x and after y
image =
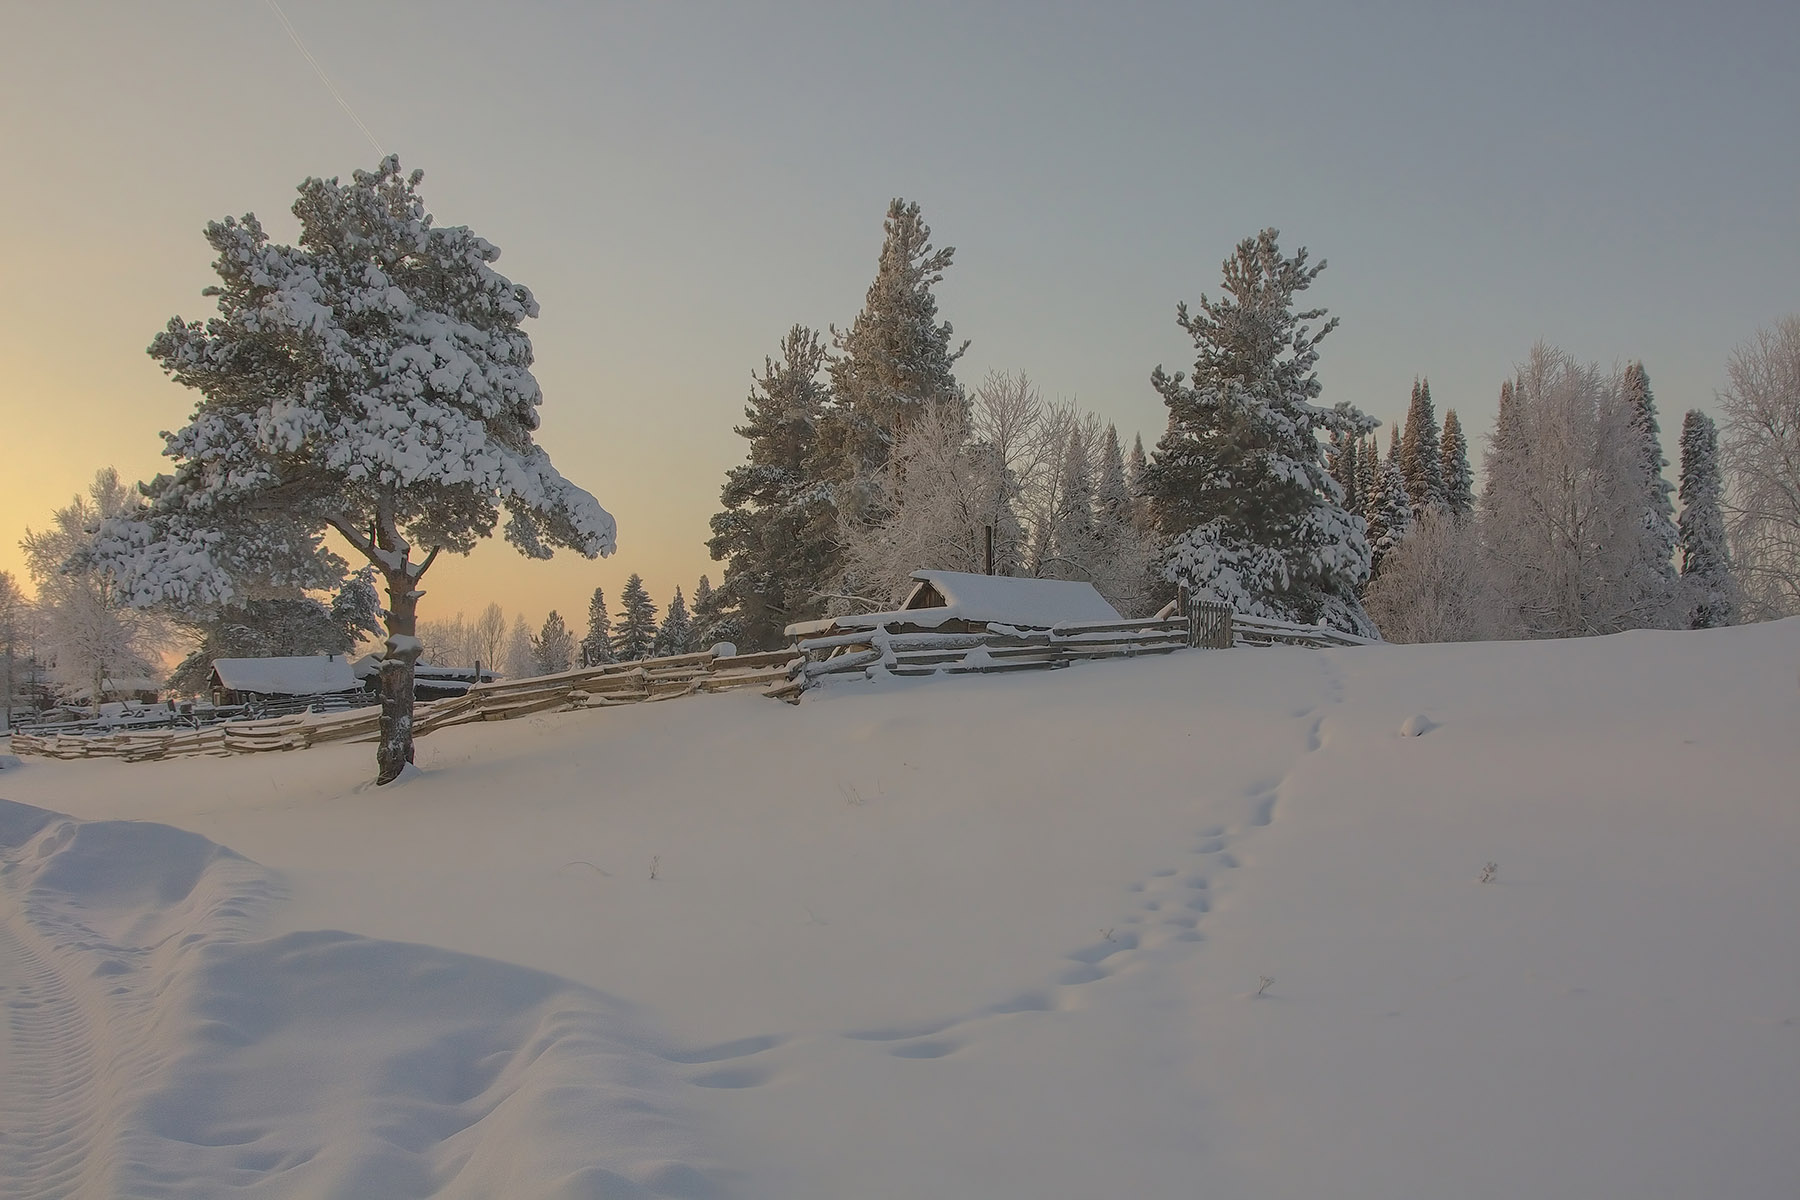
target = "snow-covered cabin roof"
x: 939, y: 596
x: 310, y: 675
x: 369, y: 666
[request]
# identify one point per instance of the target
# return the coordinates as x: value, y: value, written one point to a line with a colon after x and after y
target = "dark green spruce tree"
x: 634, y: 636
x: 778, y: 530
x: 895, y: 360
x: 1710, y: 594
x: 676, y: 633
x: 1239, y: 483
x: 1653, y: 585
x: 1459, y: 480
x: 1421, y: 458
x: 596, y: 647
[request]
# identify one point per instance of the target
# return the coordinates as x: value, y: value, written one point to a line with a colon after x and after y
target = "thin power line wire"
x: 318, y: 70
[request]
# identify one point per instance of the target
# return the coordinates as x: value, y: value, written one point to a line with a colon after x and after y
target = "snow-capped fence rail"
x: 776, y: 673
x: 901, y: 647
x: 1247, y: 630
x: 906, y: 648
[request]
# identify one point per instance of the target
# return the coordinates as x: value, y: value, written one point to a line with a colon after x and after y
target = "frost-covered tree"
x: 596, y: 647
x: 1135, y: 465
x: 941, y: 491
x: 634, y: 633
x: 93, y: 638
x: 1421, y: 457
x: 1434, y: 586
x: 778, y: 532
x: 676, y: 633
x: 521, y: 662
x: 373, y: 380
x: 1652, y: 572
x: 445, y: 643
x: 895, y: 362
x: 1123, y: 555
x: 1459, y: 480
x: 1761, y: 453
x: 1709, y: 592
x: 487, y: 637
x: 12, y: 636
x: 1239, y: 481
x: 1072, y: 538
x: 1563, y: 502
x: 553, y: 648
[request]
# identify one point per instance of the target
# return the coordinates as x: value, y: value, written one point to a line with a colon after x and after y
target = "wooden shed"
x: 259, y: 680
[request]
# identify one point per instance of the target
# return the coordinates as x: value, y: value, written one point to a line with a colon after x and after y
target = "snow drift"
x: 1215, y: 922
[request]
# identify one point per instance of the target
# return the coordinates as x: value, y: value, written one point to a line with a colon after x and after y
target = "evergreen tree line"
x: 867, y: 461
x: 1575, y: 530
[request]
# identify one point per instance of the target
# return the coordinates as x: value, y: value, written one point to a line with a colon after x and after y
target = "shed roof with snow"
x: 940, y: 596
x: 304, y: 675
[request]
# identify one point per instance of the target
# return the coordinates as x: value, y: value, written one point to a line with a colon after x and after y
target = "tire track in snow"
x: 47, y: 1090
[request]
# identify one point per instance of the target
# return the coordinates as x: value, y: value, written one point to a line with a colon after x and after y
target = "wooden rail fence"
x: 775, y: 673
x: 896, y: 647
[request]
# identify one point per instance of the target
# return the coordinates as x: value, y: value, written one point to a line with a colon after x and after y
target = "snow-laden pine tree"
x: 373, y: 380
x: 596, y: 647
x: 1459, y: 480
x: 1652, y: 572
x: 1563, y: 502
x: 711, y: 626
x: 1239, y: 483
x: 676, y: 633
x: 1709, y: 592
x: 894, y: 362
x: 1761, y: 454
x: 1421, y: 458
x: 1368, y: 475
x: 1135, y: 466
x: 634, y: 632
x: 778, y: 530
x: 1390, y: 515
x: 1112, y: 492
x: 1340, y: 459
x: 553, y: 648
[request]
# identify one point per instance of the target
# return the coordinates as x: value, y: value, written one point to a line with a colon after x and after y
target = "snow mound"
x: 1417, y: 725
x: 196, y: 1059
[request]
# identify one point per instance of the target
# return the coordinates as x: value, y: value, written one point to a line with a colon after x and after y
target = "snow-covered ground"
x: 986, y: 937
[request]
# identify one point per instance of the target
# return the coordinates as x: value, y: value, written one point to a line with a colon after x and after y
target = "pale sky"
x: 680, y: 183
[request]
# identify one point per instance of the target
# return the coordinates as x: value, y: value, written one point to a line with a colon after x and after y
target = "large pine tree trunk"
x: 395, y: 749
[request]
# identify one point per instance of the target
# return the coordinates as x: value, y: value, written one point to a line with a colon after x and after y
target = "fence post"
x: 1184, y: 601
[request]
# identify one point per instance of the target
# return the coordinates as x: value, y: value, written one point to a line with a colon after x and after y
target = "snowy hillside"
x: 1210, y: 924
